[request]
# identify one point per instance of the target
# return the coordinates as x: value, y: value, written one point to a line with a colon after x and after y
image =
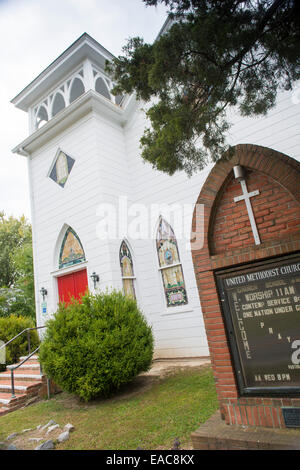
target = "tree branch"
x: 259, y: 30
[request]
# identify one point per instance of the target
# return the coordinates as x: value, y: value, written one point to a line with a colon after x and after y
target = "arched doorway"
x: 74, y: 284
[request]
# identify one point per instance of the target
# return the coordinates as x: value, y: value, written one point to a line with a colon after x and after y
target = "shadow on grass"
x: 137, y: 387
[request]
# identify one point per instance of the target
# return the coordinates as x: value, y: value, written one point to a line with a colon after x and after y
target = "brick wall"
x: 275, y: 211
x: 228, y: 241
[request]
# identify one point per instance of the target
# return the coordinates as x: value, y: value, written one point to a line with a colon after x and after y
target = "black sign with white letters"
x: 261, y: 306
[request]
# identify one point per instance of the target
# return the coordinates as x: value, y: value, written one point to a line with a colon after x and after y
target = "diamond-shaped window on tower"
x: 61, y: 168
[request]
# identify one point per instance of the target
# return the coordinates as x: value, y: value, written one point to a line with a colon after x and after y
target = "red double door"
x: 72, y: 285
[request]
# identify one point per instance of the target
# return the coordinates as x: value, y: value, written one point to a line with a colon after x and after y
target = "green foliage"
x: 22, y: 259
x: 16, y: 268
x: 17, y: 301
x: 216, y: 54
x: 13, y: 234
x: 10, y: 327
x: 150, y: 418
x: 8, y: 300
x: 92, y: 348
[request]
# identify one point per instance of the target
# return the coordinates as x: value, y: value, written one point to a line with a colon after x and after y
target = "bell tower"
x: 81, y: 68
x: 76, y: 162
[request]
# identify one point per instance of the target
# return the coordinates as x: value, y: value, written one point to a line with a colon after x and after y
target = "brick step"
x: 32, y: 359
x: 35, y: 356
x: 6, y: 398
x: 29, y: 384
x: 8, y: 403
x: 33, y: 365
x: 22, y: 375
x: 20, y: 387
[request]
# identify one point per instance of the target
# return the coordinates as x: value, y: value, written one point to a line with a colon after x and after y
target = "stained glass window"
x: 71, y: 251
x: 127, y: 270
x: 61, y: 169
x: 170, y: 266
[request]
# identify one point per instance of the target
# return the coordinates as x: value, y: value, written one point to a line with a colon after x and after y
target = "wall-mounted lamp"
x: 239, y: 172
x: 95, y: 278
x: 44, y: 292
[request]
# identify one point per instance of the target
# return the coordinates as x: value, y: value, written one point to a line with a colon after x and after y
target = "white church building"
x: 103, y: 218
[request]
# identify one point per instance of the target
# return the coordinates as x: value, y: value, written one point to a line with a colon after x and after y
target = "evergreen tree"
x: 217, y: 54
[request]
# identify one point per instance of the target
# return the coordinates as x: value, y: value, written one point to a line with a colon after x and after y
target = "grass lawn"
x: 149, y: 414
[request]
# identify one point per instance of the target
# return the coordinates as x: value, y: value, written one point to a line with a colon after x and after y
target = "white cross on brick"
x: 246, y: 197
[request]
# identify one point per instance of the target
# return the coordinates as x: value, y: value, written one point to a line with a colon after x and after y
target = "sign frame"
x: 44, y: 308
x: 220, y: 276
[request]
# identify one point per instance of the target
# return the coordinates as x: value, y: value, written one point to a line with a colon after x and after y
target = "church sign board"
x: 261, y: 307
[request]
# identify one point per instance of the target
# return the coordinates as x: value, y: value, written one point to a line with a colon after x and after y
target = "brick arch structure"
x: 228, y: 242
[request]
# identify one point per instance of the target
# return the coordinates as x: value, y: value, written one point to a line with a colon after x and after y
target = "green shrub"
x: 94, y: 347
x: 10, y: 327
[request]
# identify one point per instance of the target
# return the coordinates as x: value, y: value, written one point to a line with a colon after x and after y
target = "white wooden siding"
x: 108, y: 165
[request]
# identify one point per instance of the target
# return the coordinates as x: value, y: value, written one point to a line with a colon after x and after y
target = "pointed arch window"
x: 170, y: 265
x: 71, y: 251
x: 127, y: 271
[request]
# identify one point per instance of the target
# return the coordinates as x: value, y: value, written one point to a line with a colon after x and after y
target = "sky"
x: 33, y: 33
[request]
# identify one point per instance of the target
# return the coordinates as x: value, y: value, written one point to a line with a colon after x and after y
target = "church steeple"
x: 79, y: 69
